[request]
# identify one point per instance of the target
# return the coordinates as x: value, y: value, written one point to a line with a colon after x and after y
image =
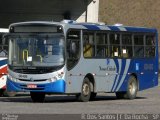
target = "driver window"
x: 73, y: 48
x: 3, y: 46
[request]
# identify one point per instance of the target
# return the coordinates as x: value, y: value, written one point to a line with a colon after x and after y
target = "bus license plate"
x: 31, y: 86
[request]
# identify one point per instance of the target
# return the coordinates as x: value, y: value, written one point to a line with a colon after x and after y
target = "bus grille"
x: 33, y: 71
x: 39, y: 80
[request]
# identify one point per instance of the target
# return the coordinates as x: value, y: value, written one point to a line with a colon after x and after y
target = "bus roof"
x: 89, y: 26
x: 4, y: 30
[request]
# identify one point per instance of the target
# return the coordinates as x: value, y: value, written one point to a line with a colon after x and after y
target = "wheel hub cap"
x: 85, y: 89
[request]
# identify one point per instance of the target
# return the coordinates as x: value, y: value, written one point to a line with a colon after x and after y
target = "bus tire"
x: 85, y: 94
x: 37, y: 96
x: 132, y: 88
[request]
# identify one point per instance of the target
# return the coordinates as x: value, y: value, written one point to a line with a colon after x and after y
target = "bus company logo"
x: 108, y: 61
x: 108, y: 68
x: 31, y: 79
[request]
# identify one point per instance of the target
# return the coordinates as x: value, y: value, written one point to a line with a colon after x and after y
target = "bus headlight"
x: 60, y: 75
x: 53, y: 79
x: 12, y: 78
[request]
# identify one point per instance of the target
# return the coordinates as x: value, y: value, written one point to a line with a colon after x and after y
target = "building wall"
x: 92, y: 11
x: 145, y: 13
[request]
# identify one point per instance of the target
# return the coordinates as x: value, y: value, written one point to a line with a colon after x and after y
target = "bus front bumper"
x: 53, y: 87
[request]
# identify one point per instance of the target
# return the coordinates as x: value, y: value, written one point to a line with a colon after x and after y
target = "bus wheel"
x: 85, y: 94
x: 37, y: 96
x: 93, y: 95
x: 132, y: 88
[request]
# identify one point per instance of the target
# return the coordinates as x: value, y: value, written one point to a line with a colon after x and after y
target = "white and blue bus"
x: 81, y: 59
x: 3, y: 61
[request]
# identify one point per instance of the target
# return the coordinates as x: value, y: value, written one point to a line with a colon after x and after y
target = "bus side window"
x: 150, y: 46
x: 3, y: 47
x: 88, y: 45
x: 101, y: 46
x: 114, y: 39
x: 138, y: 46
x: 115, y: 50
x: 127, y: 51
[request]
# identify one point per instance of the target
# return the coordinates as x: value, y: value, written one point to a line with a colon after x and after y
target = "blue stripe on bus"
x: 133, y: 29
x: 126, y: 78
x: 122, y: 72
x: 114, y: 28
x: 92, y: 27
x: 3, y: 62
x: 117, y: 66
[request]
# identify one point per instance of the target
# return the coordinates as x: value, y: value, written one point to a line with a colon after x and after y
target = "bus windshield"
x: 38, y: 50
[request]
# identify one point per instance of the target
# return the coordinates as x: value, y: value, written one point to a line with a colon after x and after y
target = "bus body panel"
x: 54, y: 87
x: 84, y: 67
x: 145, y: 71
x: 113, y: 81
x: 43, y: 82
x: 108, y: 74
x: 3, y: 73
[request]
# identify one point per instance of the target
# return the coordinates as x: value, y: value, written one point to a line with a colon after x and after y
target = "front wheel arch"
x: 92, y: 81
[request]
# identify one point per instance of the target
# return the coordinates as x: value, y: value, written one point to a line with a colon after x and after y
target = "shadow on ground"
x: 57, y: 99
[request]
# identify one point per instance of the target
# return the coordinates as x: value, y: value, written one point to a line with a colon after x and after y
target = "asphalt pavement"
x: 147, y: 101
